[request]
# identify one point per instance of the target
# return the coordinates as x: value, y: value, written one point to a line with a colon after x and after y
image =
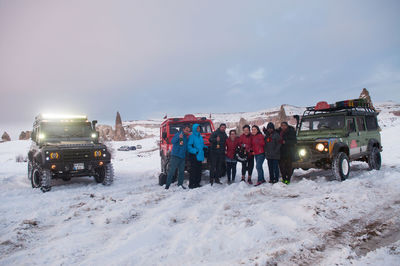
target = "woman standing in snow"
x: 258, y: 149
x: 246, y: 143
x: 196, y: 156
x: 232, y: 144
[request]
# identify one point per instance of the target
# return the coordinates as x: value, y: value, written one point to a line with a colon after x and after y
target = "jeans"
x: 273, y: 166
x: 259, y: 166
x: 176, y: 163
x: 231, y: 169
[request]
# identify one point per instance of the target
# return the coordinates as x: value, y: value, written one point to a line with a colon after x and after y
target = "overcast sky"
x: 148, y: 58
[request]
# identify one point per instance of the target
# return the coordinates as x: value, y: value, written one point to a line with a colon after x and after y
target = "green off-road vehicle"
x: 329, y: 136
x: 65, y: 147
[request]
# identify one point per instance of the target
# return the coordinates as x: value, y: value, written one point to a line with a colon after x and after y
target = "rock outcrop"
x: 5, y: 137
x: 25, y: 135
x: 240, y: 125
x: 106, y: 133
x: 119, y: 130
x: 365, y: 95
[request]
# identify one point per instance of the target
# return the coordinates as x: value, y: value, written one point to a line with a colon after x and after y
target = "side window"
x: 360, y: 123
x: 350, y: 125
x: 372, y: 123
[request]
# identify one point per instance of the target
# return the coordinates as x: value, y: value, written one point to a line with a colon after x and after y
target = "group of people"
x: 277, y: 146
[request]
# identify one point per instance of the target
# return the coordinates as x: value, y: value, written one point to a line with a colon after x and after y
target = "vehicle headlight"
x: 320, y: 147
x: 54, y: 155
x: 41, y: 136
x: 97, y: 153
x: 302, y: 152
x: 94, y: 135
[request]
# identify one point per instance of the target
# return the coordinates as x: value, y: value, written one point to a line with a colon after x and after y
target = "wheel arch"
x: 341, y: 147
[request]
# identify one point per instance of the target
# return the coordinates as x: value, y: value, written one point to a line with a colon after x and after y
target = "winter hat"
x: 270, y: 126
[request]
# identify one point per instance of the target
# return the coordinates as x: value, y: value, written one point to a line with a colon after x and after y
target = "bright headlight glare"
x: 41, y: 136
x: 302, y: 152
x: 97, y: 153
x: 320, y: 147
x: 94, y: 135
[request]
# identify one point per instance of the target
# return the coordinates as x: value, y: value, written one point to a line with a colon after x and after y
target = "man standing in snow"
x: 217, y: 153
x: 178, y: 155
x: 288, y: 141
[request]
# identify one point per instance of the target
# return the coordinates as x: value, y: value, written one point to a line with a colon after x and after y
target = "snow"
x: 314, y: 220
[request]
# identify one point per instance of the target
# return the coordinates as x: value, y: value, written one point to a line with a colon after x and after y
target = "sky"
x: 149, y: 58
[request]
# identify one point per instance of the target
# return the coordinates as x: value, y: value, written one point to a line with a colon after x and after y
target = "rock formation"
x: 5, y: 137
x: 282, y: 117
x: 119, y: 130
x: 25, y: 135
x: 106, y: 133
x: 239, y: 127
x: 365, y: 95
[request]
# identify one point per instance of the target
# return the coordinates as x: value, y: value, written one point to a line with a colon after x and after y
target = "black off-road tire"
x: 30, y: 169
x: 341, y: 166
x: 105, y: 174
x: 36, y: 177
x: 374, y: 159
x: 46, y: 180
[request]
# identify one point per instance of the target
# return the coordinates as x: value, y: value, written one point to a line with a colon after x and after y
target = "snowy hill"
x: 313, y: 221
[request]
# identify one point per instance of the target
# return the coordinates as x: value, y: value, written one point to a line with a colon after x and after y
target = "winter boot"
x: 211, y: 181
x: 259, y: 183
x: 249, y: 181
x: 243, y: 179
x: 218, y: 181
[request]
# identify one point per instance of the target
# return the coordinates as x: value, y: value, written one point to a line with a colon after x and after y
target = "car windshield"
x: 77, y: 130
x: 204, y: 127
x: 322, y: 123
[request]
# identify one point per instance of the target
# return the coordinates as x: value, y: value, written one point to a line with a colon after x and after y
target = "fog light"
x: 53, y: 166
x: 302, y: 152
x: 101, y: 163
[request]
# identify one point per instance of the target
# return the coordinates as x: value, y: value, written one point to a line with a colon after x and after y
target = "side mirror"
x: 297, y: 117
x: 94, y: 122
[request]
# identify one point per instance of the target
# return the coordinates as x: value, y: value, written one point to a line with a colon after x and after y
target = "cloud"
x: 257, y: 75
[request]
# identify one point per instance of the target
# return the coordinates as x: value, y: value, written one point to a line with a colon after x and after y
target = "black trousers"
x: 195, y: 171
x: 231, y: 170
x: 285, y: 165
x: 217, y: 164
x: 248, y: 166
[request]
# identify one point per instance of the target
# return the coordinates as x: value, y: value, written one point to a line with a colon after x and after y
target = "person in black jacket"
x: 288, y: 141
x: 272, y: 151
x: 217, y: 153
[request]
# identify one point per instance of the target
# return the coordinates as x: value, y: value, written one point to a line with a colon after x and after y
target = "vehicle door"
x: 352, y: 139
x: 362, y: 133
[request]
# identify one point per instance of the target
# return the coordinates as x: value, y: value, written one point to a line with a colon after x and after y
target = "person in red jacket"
x: 231, y: 144
x: 259, y: 154
x: 246, y: 143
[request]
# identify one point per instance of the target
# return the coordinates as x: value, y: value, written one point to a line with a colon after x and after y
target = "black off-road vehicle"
x: 65, y: 147
x: 329, y: 136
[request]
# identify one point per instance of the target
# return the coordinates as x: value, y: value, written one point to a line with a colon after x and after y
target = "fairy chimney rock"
x: 282, y: 117
x: 5, y: 137
x: 119, y: 130
x: 25, y: 135
x: 365, y: 95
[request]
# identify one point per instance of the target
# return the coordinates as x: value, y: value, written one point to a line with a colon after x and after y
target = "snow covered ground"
x: 314, y: 220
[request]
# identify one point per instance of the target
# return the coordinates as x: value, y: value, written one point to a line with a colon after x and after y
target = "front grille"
x: 77, y: 155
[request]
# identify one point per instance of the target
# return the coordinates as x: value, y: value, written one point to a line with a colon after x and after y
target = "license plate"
x: 79, y: 166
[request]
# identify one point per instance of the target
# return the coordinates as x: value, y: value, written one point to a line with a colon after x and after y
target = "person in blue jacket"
x: 178, y: 156
x: 196, y: 156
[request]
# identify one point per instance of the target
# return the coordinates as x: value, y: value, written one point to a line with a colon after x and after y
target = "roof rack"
x: 355, y: 106
x: 60, y: 118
